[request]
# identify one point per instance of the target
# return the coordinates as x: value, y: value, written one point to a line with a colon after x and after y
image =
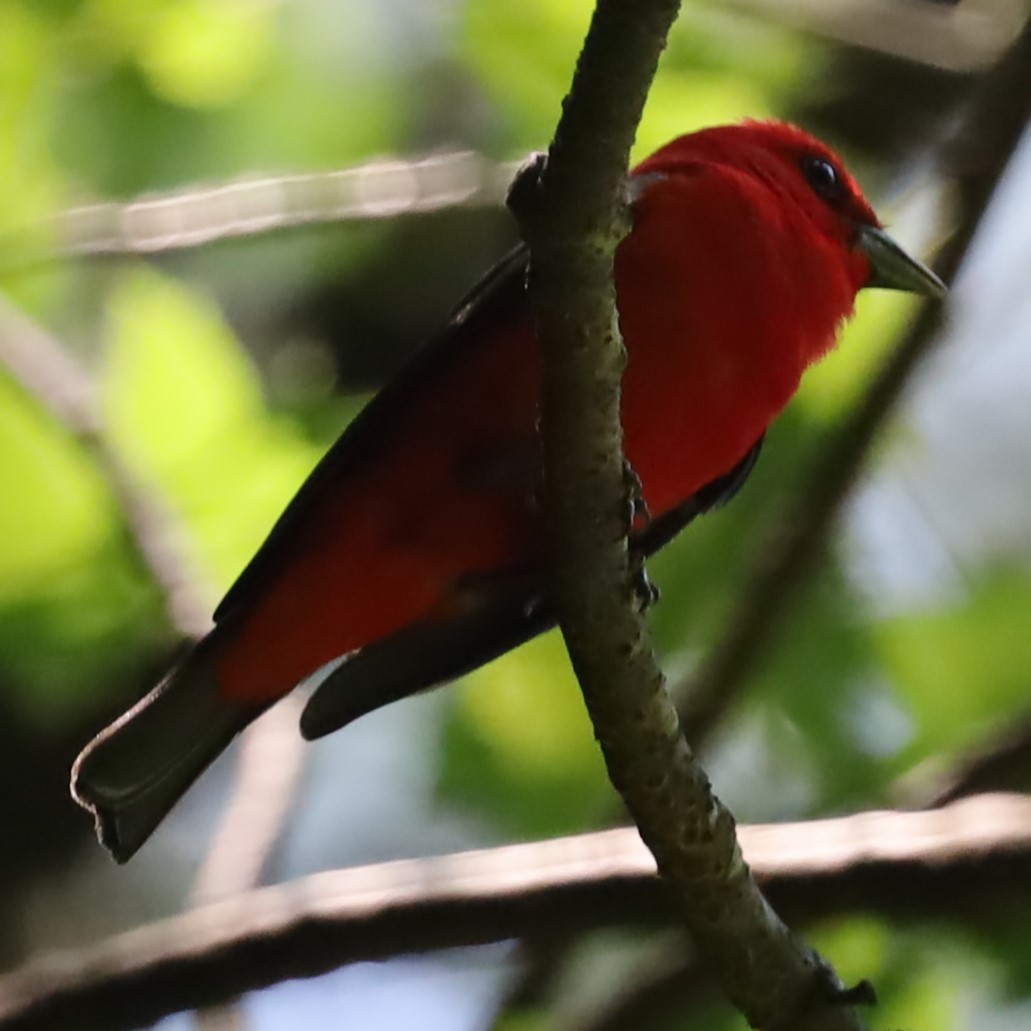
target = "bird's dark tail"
x: 132, y: 773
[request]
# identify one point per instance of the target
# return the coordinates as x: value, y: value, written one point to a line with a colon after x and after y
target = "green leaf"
x: 520, y: 744
x: 58, y: 510
x: 73, y: 603
x: 184, y: 406
x: 206, y: 54
x: 962, y: 666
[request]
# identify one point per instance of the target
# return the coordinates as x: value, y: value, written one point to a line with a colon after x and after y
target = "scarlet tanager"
x: 414, y: 551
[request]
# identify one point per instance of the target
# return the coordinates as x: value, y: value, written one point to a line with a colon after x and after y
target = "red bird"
x: 414, y: 552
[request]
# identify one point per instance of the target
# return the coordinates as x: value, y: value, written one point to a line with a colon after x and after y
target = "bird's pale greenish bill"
x: 891, y: 268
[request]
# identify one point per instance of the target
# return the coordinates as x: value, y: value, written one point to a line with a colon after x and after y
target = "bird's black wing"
x: 504, y: 610
x: 501, y: 288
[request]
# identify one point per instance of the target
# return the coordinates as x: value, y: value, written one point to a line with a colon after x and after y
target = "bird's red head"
x: 804, y: 171
x: 788, y: 160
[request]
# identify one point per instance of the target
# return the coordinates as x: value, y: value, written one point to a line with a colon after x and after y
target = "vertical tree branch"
x: 573, y: 214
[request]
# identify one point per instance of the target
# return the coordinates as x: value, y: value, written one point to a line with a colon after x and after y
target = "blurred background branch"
x: 200, y: 216
x: 269, y: 765
x: 964, y: 860
x: 968, y: 36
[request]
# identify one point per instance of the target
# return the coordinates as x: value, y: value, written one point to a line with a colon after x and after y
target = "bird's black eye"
x: 823, y: 177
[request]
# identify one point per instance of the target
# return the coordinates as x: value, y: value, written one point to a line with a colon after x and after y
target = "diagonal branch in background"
x: 975, y: 160
x: 47, y: 372
x: 960, y: 37
x: 969, y: 860
x: 1002, y: 762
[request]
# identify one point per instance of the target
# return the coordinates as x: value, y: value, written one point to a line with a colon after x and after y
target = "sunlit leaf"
x: 185, y: 406
x: 964, y: 665
x: 205, y: 54
x: 521, y: 744
x: 62, y: 513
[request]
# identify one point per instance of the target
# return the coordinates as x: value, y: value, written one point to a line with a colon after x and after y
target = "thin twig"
x: 975, y: 160
x: 1000, y: 763
x: 47, y: 372
x: 268, y: 768
x: 271, y: 759
x: 970, y: 859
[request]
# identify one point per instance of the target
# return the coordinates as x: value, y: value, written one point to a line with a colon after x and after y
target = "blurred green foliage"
x: 107, y: 99
x: 228, y: 464
x: 964, y: 662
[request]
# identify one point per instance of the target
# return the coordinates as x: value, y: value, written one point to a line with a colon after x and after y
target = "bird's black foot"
x: 645, y: 590
x: 826, y: 992
x: 861, y: 994
x: 638, y: 515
